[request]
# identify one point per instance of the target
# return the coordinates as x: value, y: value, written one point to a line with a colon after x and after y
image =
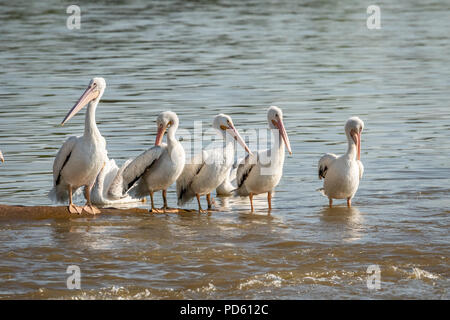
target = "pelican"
x: 262, y: 173
x: 106, y: 180
x: 80, y: 159
x: 342, y: 174
x: 1, y: 157
x: 209, y: 168
x: 156, y: 169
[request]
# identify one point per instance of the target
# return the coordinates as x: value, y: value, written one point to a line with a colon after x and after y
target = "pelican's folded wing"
x: 132, y: 171
x: 361, y: 169
x: 243, y: 170
x: 324, y: 164
x: 190, y: 171
x: 62, y: 157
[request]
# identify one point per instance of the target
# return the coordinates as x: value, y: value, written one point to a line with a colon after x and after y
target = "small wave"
x: 209, y: 288
x: 421, y: 274
x: 265, y: 280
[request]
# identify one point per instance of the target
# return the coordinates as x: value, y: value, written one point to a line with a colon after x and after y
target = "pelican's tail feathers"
x: 322, y: 192
x: 140, y: 191
x: 184, y: 195
x: 58, y: 194
x: 241, y: 191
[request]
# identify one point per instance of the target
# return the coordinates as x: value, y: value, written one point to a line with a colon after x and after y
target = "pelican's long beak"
x: 357, y: 139
x: 359, y: 145
x: 235, y: 134
x: 90, y: 94
x: 1, y: 157
x: 160, y: 135
x: 284, y: 135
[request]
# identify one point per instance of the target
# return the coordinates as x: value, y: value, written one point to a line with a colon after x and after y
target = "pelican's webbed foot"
x: 156, y: 210
x: 91, y: 209
x: 168, y: 209
x: 75, y: 209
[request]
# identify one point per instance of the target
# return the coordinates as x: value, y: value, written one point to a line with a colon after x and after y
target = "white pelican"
x: 106, y: 180
x: 1, y: 157
x: 342, y: 174
x: 80, y: 159
x: 262, y: 173
x: 208, y: 169
x: 157, y: 168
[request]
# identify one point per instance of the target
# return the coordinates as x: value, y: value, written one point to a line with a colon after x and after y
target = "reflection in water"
x: 222, y: 203
x: 349, y: 221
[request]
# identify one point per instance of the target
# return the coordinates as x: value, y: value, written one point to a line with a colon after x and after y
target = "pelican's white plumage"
x: 208, y: 169
x: 130, y: 172
x: 261, y: 172
x: 110, y: 178
x: 80, y: 159
x: 227, y: 187
x: 342, y: 174
x: 153, y: 170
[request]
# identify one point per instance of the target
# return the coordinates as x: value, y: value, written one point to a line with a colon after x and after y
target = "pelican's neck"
x: 171, y: 139
x: 90, y: 126
x: 351, y: 150
x: 229, y: 141
x: 228, y: 146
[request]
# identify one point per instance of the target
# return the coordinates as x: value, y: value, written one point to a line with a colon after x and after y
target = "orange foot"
x: 91, y: 209
x: 75, y: 209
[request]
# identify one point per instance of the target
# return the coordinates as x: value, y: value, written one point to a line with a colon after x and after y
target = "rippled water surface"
x: 317, y: 61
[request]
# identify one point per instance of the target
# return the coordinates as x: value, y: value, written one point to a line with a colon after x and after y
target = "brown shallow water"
x: 316, y: 60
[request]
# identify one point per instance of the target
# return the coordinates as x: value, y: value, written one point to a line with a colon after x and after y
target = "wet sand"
x: 10, y: 212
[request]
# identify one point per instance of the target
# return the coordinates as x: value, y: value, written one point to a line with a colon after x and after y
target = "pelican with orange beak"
x: 342, y: 174
x: 208, y: 169
x: 80, y: 159
x: 154, y: 170
x: 262, y: 172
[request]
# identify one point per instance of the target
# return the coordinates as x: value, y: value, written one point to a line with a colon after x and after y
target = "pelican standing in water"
x: 157, y: 168
x: 80, y: 159
x: 342, y: 174
x: 254, y: 175
x: 209, y: 168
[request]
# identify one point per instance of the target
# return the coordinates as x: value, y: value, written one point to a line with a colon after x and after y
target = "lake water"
x: 316, y: 60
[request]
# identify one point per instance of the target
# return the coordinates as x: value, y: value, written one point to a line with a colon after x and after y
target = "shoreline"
x: 19, y: 212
